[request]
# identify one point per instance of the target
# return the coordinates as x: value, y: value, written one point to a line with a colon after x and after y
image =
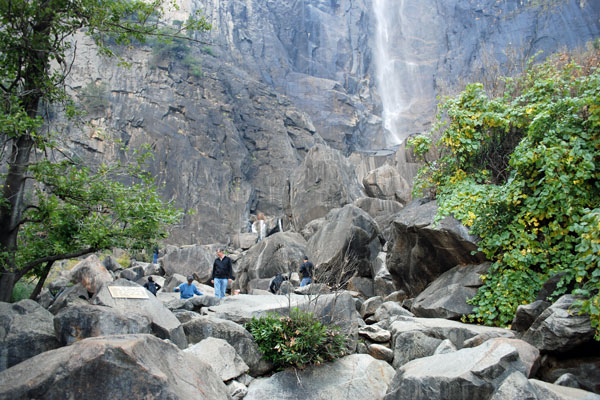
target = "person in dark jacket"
x: 152, y: 286
x: 306, y: 271
x: 276, y: 282
x: 222, y: 273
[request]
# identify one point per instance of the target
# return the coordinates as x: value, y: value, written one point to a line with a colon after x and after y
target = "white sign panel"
x: 128, y: 292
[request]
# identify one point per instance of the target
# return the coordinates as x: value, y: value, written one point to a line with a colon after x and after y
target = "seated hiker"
x: 152, y: 286
x: 276, y: 282
x: 306, y: 271
x: 188, y: 290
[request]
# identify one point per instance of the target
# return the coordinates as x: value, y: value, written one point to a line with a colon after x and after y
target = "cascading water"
x: 399, y: 72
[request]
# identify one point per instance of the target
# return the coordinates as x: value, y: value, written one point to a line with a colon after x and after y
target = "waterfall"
x: 397, y: 66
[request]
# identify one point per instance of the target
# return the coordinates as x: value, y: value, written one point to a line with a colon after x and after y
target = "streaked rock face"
x: 279, y: 77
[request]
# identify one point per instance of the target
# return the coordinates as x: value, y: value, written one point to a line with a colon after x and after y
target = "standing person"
x: 187, y: 290
x: 260, y: 226
x: 222, y: 273
x: 152, y: 286
x: 155, y: 255
x: 306, y: 270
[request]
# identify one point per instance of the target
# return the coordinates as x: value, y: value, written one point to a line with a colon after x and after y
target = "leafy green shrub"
x: 21, y: 291
x: 522, y: 172
x: 297, y: 340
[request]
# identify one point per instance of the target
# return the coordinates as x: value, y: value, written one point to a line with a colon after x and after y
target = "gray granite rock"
x: 113, y: 367
x: 164, y: 324
x: 25, y: 330
x: 559, y: 327
x: 221, y: 356
x: 357, y: 376
x: 78, y: 322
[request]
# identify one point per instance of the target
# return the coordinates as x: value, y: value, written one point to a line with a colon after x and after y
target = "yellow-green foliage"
x: 522, y: 171
x: 124, y: 261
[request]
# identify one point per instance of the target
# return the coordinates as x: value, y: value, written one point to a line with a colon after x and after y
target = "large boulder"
x: 25, y: 331
x: 585, y: 369
x: 369, y: 307
x: 447, y: 296
x: 527, y: 314
x: 389, y: 309
x: 338, y: 309
x: 382, y: 211
x: 69, y: 296
x: 386, y: 183
x: 243, y: 307
x: 331, y: 309
x: 472, y: 373
x: 113, y: 367
x: 280, y: 252
x: 346, y: 245
x: 91, y: 274
x: 133, y: 273
x: 420, y: 249
x: 517, y: 386
x: 358, y: 376
x: 560, y: 328
x: 79, y: 322
x: 324, y: 181
x: 414, y: 338
x: 187, y: 260
x: 204, y: 327
x: 164, y: 324
x: 549, y: 391
x: 221, y: 356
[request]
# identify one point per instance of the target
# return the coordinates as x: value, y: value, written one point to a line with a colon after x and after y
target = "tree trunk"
x: 7, y: 284
x: 42, y: 279
x: 10, y: 213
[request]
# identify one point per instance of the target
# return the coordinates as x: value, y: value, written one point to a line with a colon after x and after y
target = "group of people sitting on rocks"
x: 222, y: 275
x: 306, y: 272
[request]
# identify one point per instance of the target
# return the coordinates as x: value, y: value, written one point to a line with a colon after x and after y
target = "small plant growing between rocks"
x: 296, y: 340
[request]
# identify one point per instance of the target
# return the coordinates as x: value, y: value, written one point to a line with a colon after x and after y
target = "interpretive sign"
x: 128, y: 292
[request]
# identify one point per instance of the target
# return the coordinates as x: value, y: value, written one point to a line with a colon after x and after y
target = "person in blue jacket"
x: 188, y: 290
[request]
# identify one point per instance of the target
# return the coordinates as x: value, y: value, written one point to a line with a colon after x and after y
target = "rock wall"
x: 338, y: 59
x: 224, y: 144
x: 279, y: 76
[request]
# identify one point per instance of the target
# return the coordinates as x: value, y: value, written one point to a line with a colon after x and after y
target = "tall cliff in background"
x: 350, y: 63
x: 280, y: 76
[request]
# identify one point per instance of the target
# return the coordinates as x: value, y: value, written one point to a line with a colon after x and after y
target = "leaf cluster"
x: 522, y: 172
x: 80, y: 210
x: 297, y: 340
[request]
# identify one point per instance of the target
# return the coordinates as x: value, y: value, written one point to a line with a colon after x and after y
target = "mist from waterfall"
x: 398, y: 80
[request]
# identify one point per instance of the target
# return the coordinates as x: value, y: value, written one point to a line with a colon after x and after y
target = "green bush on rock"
x: 297, y: 340
x: 522, y: 171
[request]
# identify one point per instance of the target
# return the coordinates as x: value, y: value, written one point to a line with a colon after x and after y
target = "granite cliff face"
x: 350, y: 63
x: 280, y: 76
x: 223, y: 144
